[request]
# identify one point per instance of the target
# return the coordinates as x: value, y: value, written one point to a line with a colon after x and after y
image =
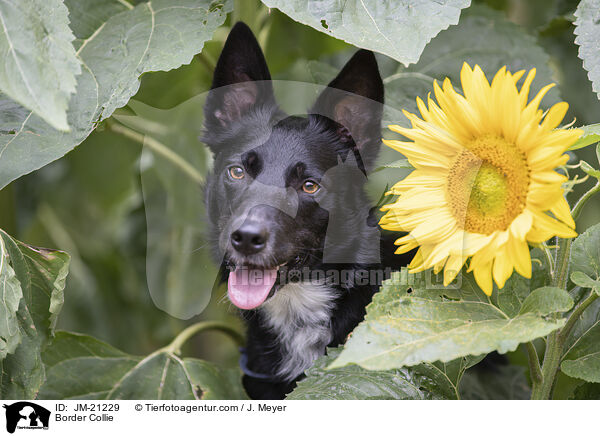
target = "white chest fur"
x: 299, y: 314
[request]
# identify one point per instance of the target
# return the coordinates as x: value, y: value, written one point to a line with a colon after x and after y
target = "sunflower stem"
x: 534, y: 364
x: 561, y: 264
x: 583, y: 200
x: 158, y: 148
x: 175, y: 346
x: 554, y: 352
x: 556, y: 340
x: 575, y: 315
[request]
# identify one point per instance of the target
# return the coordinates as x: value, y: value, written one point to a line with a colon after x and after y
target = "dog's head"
x: 276, y: 179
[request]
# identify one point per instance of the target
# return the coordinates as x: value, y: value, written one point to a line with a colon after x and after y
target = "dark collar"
x: 269, y: 378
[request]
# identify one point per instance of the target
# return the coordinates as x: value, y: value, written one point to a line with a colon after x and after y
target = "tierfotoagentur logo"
x: 26, y: 415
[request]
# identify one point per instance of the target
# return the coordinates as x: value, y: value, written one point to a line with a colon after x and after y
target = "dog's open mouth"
x: 250, y: 286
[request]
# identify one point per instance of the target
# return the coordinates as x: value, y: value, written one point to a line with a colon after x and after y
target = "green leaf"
x: 505, y: 382
x: 584, y: 361
x: 160, y: 376
x: 582, y: 356
x: 513, y: 294
x: 79, y: 366
x: 38, y: 58
x: 398, y: 31
x: 591, y: 135
x: 214, y: 382
x: 588, y: 169
x: 483, y: 37
x: 546, y: 300
x: 82, y: 367
x: 41, y: 274
x: 10, y: 296
x: 116, y: 44
x: 587, y: 29
x: 308, y: 43
x: 355, y: 383
x: 585, y: 281
x: 585, y: 253
x: 486, y: 38
x: 444, y: 324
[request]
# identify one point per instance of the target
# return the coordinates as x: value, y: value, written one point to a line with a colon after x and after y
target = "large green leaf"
x: 403, y: 329
x: 116, y: 43
x: 585, y: 258
x: 587, y: 29
x: 421, y: 382
x: 81, y: 367
x: 41, y: 274
x: 399, y: 30
x: 486, y: 38
x: 583, y: 361
x: 91, y: 367
x: 38, y: 60
x: 10, y: 296
x: 582, y: 357
x: 483, y: 37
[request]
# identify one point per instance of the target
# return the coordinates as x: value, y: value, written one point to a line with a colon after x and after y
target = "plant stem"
x: 534, y: 363
x: 583, y: 200
x: 186, y: 334
x: 543, y: 390
x: 566, y: 330
x: 561, y: 265
x: 554, y: 350
x: 557, y: 339
x: 158, y: 148
x: 563, y: 255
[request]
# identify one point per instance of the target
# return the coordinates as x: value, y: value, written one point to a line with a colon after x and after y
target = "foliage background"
x: 90, y: 203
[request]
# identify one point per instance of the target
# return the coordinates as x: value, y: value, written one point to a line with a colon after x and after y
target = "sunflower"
x: 484, y: 185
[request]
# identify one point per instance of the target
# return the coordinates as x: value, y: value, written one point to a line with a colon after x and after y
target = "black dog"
x: 286, y: 204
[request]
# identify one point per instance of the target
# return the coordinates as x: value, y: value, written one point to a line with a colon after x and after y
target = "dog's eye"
x: 310, y: 187
x: 236, y: 172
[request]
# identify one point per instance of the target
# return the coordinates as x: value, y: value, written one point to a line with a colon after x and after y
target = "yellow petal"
x: 483, y: 277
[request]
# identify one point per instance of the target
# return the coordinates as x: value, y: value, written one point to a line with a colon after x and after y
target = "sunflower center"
x: 487, y: 184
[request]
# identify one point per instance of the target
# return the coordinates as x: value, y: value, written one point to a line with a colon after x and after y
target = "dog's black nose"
x: 249, y: 239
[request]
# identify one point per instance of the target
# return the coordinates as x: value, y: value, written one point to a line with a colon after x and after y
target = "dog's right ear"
x: 241, y: 80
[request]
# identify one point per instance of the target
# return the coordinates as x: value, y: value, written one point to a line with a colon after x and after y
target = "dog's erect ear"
x: 354, y: 99
x: 240, y: 81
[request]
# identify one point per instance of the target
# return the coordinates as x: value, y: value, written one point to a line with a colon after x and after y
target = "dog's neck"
x: 299, y: 316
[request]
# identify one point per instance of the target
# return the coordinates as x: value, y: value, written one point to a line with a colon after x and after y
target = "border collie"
x: 290, y: 221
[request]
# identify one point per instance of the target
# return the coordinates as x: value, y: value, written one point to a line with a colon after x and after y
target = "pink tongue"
x: 249, y: 288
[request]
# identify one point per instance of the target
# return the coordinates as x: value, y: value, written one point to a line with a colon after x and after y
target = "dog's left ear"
x: 241, y: 80
x: 354, y: 99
